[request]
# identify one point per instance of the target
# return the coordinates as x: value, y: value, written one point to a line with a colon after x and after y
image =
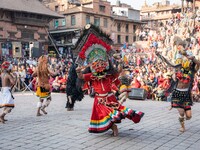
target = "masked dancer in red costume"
x: 95, y: 51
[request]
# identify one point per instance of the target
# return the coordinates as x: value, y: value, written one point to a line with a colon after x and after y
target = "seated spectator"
x: 161, y: 92
x: 152, y: 80
x: 135, y: 83
x: 56, y: 85
x: 167, y: 81
x: 28, y: 79
x: 147, y: 89
x: 51, y: 83
x: 160, y: 79
x: 195, y: 90
x: 63, y: 82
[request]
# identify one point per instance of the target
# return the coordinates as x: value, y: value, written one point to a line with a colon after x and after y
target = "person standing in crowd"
x: 22, y: 75
x: 43, y: 74
x: 184, y: 78
x: 195, y: 90
x: 6, y: 97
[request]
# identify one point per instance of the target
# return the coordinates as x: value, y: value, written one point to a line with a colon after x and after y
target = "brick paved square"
x: 63, y: 130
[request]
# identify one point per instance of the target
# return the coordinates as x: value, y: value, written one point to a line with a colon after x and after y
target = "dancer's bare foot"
x: 182, y: 129
x: 115, y: 130
x: 39, y: 114
x: 5, y: 119
x: 182, y: 123
x: 2, y: 120
x: 44, y: 111
x: 170, y: 108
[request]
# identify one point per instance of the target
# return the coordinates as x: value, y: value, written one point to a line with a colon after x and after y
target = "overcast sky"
x: 138, y: 3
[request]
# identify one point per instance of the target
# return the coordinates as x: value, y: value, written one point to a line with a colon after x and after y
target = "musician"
x: 6, y: 97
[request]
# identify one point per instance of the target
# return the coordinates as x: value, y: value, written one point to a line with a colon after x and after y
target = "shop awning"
x: 63, y: 31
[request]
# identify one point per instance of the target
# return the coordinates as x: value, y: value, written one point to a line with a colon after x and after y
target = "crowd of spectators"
x: 24, y: 69
x: 144, y: 68
x: 147, y: 71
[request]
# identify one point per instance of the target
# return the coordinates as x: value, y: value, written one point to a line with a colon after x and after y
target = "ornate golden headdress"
x: 93, y: 45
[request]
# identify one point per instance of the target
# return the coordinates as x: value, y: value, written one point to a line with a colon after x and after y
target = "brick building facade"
x: 159, y: 13
x: 23, y: 26
x: 78, y: 13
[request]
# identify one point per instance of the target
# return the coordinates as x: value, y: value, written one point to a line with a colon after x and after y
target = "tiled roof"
x: 31, y: 6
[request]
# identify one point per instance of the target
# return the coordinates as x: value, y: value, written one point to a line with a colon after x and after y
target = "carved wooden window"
x: 97, y: 21
x: 12, y: 34
x: 87, y: 19
x: 102, y: 8
x: 119, y: 39
x: 105, y: 22
x: 32, y: 16
x: 118, y: 27
x: 62, y: 8
x: 134, y: 28
x: 39, y: 16
x: 56, y: 8
x: 73, y: 20
x: 56, y: 23
x: 127, y: 39
x: 27, y: 34
x: 134, y: 38
x: 42, y: 36
x: 25, y: 15
x: 127, y: 27
x: 63, y: 22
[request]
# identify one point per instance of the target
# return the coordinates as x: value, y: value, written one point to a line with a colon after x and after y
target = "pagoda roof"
x: 29, y: 6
